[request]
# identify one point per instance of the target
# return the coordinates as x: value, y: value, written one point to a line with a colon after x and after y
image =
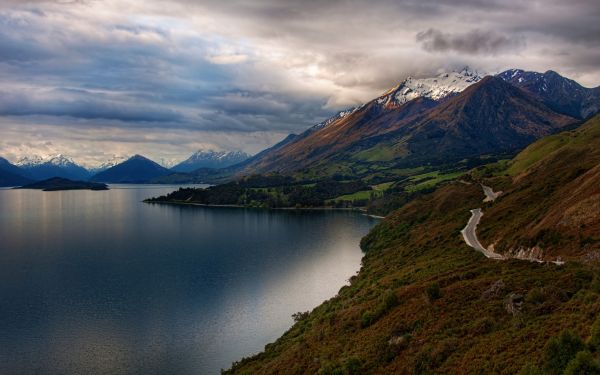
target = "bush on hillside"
x: 434, y: 291
x: 595, y: 336
x: 560, y: 350
x: 583, y: 364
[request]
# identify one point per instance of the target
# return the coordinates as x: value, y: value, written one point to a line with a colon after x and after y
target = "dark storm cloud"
x: 472, y: 42
x: 84, y: 106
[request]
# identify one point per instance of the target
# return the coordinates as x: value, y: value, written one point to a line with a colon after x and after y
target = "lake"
x: 99, y: 282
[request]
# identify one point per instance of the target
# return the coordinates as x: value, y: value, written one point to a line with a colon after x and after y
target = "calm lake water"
x: 101, y: 283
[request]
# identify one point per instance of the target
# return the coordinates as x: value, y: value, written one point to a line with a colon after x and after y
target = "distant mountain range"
x: 57, y: 166
x: 210, y: 159
x: 451, y: 118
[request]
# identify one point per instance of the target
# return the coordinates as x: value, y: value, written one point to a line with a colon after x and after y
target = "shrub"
x: 299, y: 316
x: 353, y: 366
x: 535, y: 296
x: 423, y: 361
x: 482, y: 326
x: 433, y: 291
x: 595, y: 336
x: 389, y: 299
x: 583, y: 364
x: 530, y: 369
x: 367, y: 318
x: 560, y: 350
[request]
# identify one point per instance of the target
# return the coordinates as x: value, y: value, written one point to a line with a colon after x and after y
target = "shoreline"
x: 322, y: 208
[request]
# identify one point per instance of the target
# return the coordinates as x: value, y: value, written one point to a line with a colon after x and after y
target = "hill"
x: 560, y: 175
x: 425, y: 302
x: 134, y: 170
x: 58, y: 183
x: 488, y: 117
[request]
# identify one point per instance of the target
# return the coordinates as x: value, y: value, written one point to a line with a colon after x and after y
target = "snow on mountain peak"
x: 60, y: 160
x: 112, y: 162
x: 435, y: 88
x: 29, y: 161
x: 216, y: 155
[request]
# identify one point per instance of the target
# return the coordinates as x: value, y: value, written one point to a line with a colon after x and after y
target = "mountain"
x: 55, y: 166
x: 11, y: 175
x: 210, y: 159
x: 107, y: 164
x: 7, y: 166
x: 136, y: 169
x: 559, y: 93
x: 436, y: 88
x: 424, y: 302
x: 490, y: 116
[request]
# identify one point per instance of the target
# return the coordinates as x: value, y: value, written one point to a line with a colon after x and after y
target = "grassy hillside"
x: 551, y: 201
x: 424, y: 302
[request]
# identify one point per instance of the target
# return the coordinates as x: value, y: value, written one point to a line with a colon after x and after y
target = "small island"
x: 58, y: 183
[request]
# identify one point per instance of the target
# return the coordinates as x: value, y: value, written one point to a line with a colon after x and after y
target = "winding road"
x: 490, y: 195
x: 469, y: 233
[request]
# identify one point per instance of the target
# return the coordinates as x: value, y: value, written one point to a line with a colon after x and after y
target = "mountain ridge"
x: 562, y: 94
x: 373, y: 127
x: 136, y: 169
x: 59, y: 165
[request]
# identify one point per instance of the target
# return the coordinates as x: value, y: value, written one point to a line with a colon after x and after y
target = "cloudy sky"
x: 97, y: 78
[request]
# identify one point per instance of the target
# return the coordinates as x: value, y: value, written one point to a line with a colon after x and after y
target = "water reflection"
x: 98, y: 282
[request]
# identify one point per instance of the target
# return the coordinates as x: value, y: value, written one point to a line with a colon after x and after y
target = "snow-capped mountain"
x: 29, y: 161
x: 435, y: 88
x: 557, y: 92
x: 116, y: 159
x: 54, y: 166
x: 210, y: 159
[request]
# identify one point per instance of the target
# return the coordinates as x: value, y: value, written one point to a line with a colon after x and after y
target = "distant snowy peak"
x: 114, y: 160
x: 216, y: 155
x: 561, y: 94
x: 434, y: 88
x: 210, y: 159
x: 59, y: 160
x: 29, y: 161
x: 541, y: 81
x: 338, y: 116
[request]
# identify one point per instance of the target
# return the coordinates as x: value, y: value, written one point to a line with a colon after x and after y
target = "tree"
x: 560, y: 350
x: 583, y: 364
x: 595, y: 336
